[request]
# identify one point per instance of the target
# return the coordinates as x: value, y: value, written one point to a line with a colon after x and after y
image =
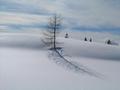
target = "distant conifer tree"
x: 85, y: 39
x: 66, y: 35
x: 109, y: 42
x: 90, y: 39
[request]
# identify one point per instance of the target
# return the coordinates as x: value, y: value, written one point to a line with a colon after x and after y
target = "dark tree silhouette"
x: 109, y: 42
x: 90, y: 39
x: 53, y: 28
x: 85, y: 39
x: 66, y: 35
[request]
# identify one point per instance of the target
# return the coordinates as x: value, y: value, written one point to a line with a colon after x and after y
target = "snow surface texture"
x: 25, y: 64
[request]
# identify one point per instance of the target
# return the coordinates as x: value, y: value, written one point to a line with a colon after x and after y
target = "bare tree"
x: 50, y: 36
x: 53, y: 29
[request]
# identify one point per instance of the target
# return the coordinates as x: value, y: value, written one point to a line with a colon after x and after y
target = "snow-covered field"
x: 26, y: 65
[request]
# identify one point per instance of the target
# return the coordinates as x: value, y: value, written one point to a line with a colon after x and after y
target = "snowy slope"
x: 79, y: 48
x: 25, y: 65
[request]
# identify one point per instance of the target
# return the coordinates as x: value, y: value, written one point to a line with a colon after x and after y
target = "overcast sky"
x: 83, y: 15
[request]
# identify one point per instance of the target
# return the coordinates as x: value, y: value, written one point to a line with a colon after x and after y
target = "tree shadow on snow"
x: 56, y: 56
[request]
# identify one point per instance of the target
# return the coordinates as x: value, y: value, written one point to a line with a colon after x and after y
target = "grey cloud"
x: 76, y: 13
x: 21, y: 8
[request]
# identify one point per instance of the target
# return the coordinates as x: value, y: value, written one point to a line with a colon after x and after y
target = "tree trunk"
x: 54, y: 38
